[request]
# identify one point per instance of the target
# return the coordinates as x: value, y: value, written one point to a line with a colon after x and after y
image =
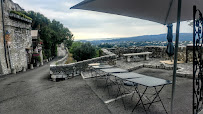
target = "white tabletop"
x: 114, y: 70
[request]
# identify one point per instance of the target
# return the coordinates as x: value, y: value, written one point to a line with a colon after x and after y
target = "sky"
x: 94, y: 25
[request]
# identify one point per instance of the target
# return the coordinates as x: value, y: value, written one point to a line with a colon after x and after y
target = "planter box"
x: 17, y: 17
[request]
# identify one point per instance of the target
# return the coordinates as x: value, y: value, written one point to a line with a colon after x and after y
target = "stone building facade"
x: 37, y: 46
x: 16, y: 40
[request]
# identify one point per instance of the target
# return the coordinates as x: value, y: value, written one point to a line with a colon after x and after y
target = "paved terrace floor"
x: 32, y: 92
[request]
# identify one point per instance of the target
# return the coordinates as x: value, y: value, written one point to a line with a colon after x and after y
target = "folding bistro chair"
x: 149, y: 82
x: 97, y: 70
x: 122, y: 82
x: 90, y: 67
x: 109, y: 71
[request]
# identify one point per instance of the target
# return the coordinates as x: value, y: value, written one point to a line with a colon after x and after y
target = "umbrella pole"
x: 176, y: 54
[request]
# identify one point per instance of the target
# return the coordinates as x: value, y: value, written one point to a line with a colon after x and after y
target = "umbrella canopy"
x: 170, y: 47
x: 160, y: 11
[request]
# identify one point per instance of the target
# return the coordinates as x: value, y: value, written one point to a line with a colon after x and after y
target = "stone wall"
x: 18, y: 29
x: 157, y: 52
x: 74, y: 68
x: 106, y: 52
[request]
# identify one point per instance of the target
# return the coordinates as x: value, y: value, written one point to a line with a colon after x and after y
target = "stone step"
x: 55, y: 77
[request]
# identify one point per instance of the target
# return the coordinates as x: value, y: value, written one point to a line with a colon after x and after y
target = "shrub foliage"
x: 83, y: 51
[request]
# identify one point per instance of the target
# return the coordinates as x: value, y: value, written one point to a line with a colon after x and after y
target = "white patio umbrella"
x: 160, y: 11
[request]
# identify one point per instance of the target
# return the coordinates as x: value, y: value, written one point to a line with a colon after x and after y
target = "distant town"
x: 146, y: 40
x: 135, y: 44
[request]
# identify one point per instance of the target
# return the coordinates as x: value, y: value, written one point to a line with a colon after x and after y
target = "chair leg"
x: 121, y: 93
x: 119, y: 90
x: 123, y: 100
x: 106, y: 84
x: 140, y: 100
x: 161, y: 102
x: 156, y: 95
x: 132, y: 96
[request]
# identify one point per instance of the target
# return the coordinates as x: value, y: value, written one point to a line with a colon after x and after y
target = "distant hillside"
x: 161, y: 37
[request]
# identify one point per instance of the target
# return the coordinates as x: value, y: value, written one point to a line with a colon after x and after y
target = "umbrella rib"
x: 169, y: 9
x: 81, y: 3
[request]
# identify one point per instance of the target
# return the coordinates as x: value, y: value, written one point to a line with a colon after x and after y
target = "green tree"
x: 105, y: 45
x: 51, y: 32
x: 74, y: 46
x: 83, y: 51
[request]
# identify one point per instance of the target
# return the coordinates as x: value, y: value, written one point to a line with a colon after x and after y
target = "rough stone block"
x: 180, y: 74
x: 24, y: 69
x: 13, y: 71
x: 55, y: 77
x: 189, y: 76
x: 168, y: 68
x: 38, y: 64
x: 153, y: 66
x: 31, y: 66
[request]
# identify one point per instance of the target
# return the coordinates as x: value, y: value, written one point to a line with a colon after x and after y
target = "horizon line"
x: 92, y: 39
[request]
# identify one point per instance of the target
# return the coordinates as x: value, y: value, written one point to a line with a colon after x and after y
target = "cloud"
x: 88, y: 24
